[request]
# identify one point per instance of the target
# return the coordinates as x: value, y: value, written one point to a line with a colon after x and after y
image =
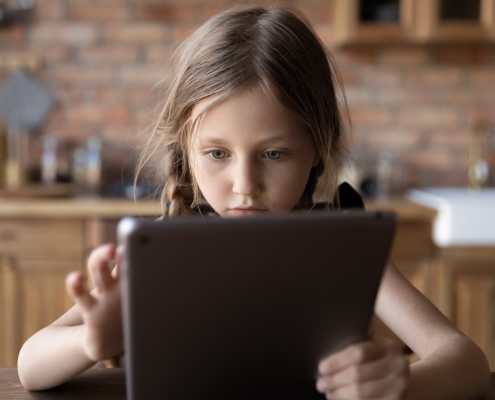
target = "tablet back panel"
x: 245, y: 308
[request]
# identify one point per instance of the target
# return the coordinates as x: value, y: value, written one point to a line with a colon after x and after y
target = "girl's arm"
x: 90, y: 331
x: 451, y: 366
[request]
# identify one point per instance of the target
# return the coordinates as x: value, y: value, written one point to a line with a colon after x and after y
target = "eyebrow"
x: 220, y: 141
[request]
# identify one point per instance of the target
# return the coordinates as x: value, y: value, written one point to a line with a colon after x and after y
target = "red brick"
x: 167, y: 13
x: 182, y: 31
x: 486, y: 114
x: 69, y: 94
x: 381, y: 76
x: 394, y: 138
x: 353, y: 57
x: 87, y: 75
x: 144, y: 119
x: 348, y: 76
x: 411, y: 96
x: 481, y: 76
x: 360, y: 96
x: 159, y: 53
x: 72, y: 34
x: 430, y: 158
x: 53, y: 9
x: 462, y: 56
x: 143, y: 75
x: 210, y: 11
x: 95, y: 114
x: 429, y: 117
x: 140, y: 33
x: 325, y: 33
x: 51, y: 54
x: 95, y: 12
x: 450, y: 178
x: 370, y: 117
x: 470, y: 96
x: 13, y: 36
x: 458, y: 138
x: 435, y: 76
x: 125, y: 135
x: 109, y: 54
x: 404, y: 57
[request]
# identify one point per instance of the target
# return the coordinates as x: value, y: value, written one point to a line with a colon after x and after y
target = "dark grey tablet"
x: 245, y: 308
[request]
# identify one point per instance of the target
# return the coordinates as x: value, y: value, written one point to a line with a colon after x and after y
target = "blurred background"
x: 415, y: 88
x: 77, y: 93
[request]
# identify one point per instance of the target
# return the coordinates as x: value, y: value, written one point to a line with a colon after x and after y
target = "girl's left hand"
x: 367, y: 370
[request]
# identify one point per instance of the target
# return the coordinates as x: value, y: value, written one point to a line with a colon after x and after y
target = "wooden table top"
x: 94, y: 384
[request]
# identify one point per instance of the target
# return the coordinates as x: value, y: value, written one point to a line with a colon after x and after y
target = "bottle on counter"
x: 93, y: 173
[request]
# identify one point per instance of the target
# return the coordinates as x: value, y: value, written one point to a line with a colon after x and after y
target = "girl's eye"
x: 217, y: 154
x: 274, y: 154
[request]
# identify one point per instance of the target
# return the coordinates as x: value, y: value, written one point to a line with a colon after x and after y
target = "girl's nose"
x: 246, y: 179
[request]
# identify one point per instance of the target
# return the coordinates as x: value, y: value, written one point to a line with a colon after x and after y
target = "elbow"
x: 25, y: 370
x: 475, y: 361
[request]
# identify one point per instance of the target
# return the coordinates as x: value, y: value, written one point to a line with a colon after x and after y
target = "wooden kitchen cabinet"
x: 466, y: 284
x: 452, y: 21
x: 380, y: 22
x: 35, y: 258
x: 355, y: 23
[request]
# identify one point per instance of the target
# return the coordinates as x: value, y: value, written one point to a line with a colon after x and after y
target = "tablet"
x: 245, y: 308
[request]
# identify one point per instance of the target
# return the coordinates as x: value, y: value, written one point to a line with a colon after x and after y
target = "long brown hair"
x: 275, y: 48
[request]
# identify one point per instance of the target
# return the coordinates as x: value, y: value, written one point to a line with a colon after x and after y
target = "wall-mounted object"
x: 15, y: 12
x: 405, y: 22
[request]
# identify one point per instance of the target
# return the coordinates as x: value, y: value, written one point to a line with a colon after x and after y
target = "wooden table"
x: 93, y: 384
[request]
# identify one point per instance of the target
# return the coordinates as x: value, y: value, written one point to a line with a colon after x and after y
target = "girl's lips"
x: 247, y: 211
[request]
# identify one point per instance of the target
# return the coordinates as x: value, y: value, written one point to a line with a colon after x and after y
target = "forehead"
x: 251, y: 111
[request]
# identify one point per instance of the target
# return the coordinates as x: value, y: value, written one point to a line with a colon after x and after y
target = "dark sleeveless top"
x: 346, y: 199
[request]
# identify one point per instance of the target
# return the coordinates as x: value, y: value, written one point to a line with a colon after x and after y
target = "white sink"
x: 465, y: 217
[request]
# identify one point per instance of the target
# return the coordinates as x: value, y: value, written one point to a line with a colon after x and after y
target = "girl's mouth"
x: 247, y: 210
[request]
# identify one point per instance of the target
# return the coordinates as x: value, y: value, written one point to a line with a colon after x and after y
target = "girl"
x: 251, y: 124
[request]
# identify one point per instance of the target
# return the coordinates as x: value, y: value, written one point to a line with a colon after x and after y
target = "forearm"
x: 51, y: 357
x: 455, y: 370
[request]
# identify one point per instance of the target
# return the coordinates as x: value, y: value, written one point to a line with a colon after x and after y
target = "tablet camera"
x: 145, y: 239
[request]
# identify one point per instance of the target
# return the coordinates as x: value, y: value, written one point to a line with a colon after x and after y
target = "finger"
x: 98, y: 266
x: 118, y: 257
x: 74, y: 284
x: 358, y: 353
x: 389, y: 387
x: 373, y: 370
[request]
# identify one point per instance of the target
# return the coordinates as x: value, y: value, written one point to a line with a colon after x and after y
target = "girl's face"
x: 251, y: 155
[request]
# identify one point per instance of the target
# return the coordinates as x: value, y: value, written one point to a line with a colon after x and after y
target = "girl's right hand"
x: 100, y: 308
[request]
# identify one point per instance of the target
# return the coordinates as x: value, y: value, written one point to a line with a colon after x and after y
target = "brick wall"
x: 103, y: 57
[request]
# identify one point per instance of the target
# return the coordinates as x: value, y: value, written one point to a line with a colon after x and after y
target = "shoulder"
x: 346, y: 198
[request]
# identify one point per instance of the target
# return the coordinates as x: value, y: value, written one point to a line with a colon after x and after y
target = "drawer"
x: 41, y: 234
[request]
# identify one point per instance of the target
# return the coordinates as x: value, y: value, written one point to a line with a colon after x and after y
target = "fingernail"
x: 321, y: 385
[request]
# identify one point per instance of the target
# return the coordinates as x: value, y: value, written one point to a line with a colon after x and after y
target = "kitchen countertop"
x: 117, y: 208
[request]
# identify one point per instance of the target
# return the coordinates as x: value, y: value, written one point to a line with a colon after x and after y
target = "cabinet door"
x: 475, y: 311
x: 374, y: 21
x: 468, y: 293
x: 456, y: 21
x: 32, y: 296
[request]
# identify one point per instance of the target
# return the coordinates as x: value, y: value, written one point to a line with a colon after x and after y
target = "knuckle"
x: 355, y: 373
x: 358, y: 354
